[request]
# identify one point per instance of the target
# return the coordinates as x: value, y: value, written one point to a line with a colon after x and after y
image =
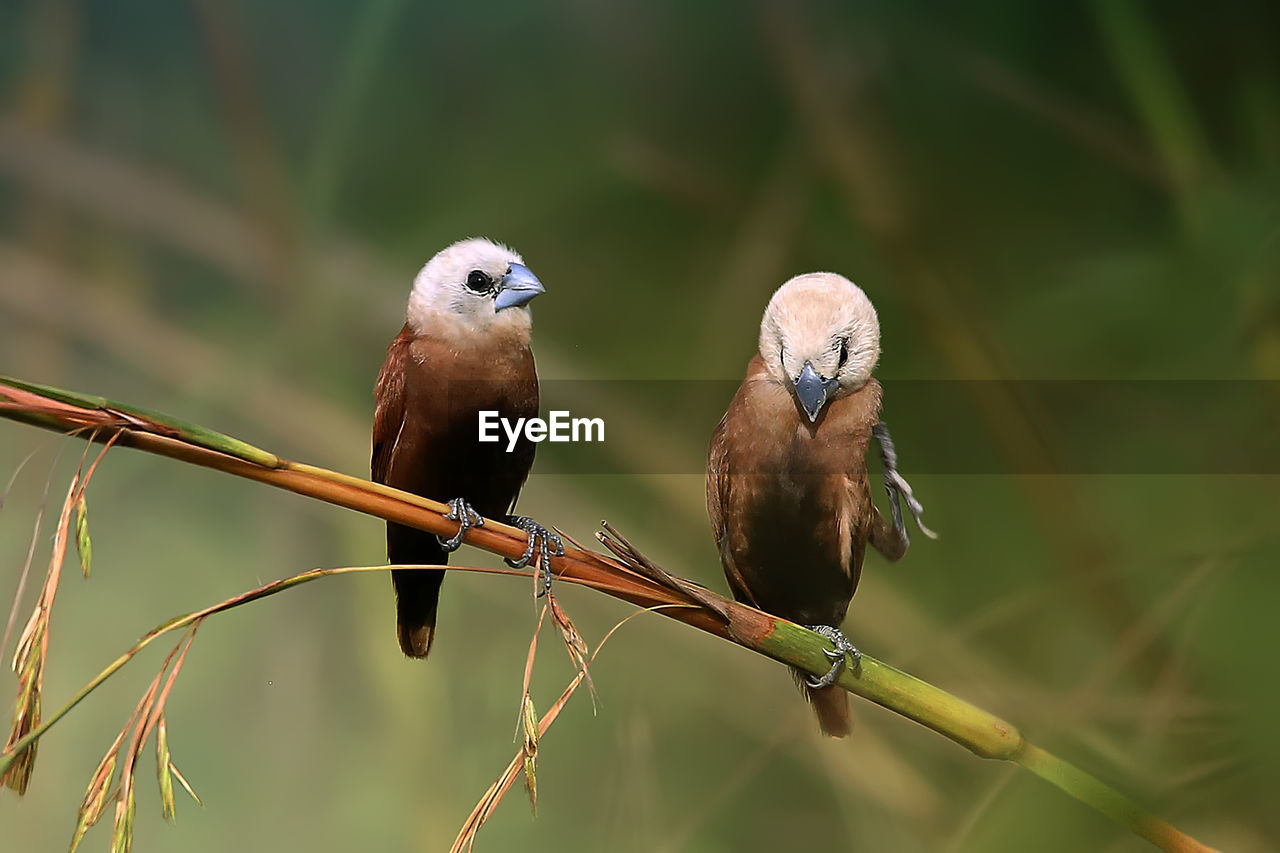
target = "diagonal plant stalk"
x: 534, y: 728
x: 635, y: 581
x: 186, y: 621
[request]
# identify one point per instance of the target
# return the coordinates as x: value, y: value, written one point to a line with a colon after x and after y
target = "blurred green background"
x: 216, y: 209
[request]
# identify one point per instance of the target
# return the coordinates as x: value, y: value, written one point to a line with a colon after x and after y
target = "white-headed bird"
x: 787, y: 486
x: 464, y: 349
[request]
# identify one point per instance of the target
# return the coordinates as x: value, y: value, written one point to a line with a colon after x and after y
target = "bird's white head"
x: 477, y: 284
x: 821, y: 337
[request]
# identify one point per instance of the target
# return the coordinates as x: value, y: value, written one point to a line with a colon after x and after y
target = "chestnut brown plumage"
x: 787, y: 486
x: 464, y: 348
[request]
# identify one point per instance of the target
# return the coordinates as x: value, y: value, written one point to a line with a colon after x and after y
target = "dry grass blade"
x: 95, y: 796
x: 484, y: 809
x: 164, y: 776
x: 489, y: 801
x: 186, y: 786
x: 84, y: 547
x: 94, y: 804
x: 164, y: 761
x: 26, y: 718
x: 147, y: 715
x: 529, y: 732
x: 122, y: 832
x: 32, y: 653
x: 631, y: 556
x: 529, y: 750
x: 574, y: 644
x: 31, y: 552
x: 30, y: 656
x: 533, y: 653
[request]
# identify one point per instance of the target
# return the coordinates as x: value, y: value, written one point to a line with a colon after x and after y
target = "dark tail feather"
x: 830, y: 705
x: 417, y: 590
x: 417, y: 594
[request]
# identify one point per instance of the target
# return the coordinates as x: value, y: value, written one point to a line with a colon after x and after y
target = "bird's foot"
x: 467, y: 518
x: 897, y: 486
x: 542, y: 543
x: 844, y: 650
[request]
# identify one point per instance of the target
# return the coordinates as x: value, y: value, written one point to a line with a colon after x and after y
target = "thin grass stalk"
x: 983, y: 733
x: 493, y: 796
x: 179, y: 622
x: 32, y: 651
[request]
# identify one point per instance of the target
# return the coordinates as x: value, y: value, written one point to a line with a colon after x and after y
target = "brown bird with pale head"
x: 464, y: 349
x: 787, y: 486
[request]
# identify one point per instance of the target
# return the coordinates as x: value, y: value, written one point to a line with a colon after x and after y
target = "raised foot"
x: 838, y: 657
x: 467, y: 518
x: 542, y: 543
x: 896, y: 486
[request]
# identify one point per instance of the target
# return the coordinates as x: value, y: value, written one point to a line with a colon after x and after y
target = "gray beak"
x: 813, y: 391
x: 517, y: 287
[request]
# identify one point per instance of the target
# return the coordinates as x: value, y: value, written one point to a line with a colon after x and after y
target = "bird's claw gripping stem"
x: 844, y: 650
x: 467, y: 518
x: 896, y: 485
x: 542, y: 542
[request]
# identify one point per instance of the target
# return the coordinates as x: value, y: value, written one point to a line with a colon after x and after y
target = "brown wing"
x: 716, y: 481
x: 388, y: 416
x: 720, y: 483
x: 417, y: 591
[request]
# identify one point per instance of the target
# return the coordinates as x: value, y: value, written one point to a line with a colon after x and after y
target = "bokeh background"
x: 216, y: 209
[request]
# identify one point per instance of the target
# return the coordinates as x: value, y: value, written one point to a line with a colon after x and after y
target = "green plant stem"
x: 1104, y: 798
x: 981, y: 732
x: 984, y: 734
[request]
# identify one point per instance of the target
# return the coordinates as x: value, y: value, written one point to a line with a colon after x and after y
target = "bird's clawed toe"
x: 843, y: 651
x: 467, y: 518
x: 542, y: 543
x: 897, y: 486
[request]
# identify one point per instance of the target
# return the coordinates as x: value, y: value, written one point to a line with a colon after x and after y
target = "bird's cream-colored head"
x: 473, y: 285
x: 820, y: 337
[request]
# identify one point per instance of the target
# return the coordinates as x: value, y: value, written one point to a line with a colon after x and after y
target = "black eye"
x: 844, y: 352
x: 478, y: 281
